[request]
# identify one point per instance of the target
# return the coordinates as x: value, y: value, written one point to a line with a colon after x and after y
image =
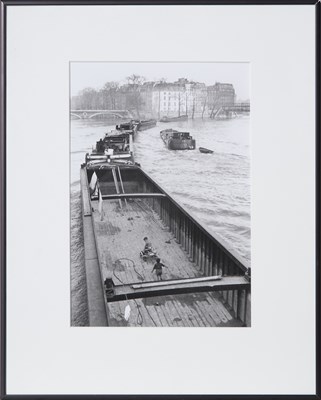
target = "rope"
x: 133, y: 264
x: 139, y: 315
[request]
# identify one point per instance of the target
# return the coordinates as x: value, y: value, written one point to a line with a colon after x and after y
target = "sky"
x: 96, y: 74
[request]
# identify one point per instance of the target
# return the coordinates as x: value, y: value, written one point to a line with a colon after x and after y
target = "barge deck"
x: 119, y: 240
x: 205, y: 283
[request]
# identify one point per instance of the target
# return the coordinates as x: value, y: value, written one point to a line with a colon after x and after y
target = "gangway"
x: 174, y: 287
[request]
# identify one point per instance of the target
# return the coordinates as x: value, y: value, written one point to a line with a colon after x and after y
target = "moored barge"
x: 205, y: 283
x: 116, y: 145
x: 146, y: 124
x: 174, y: 119
x: 175, y: 140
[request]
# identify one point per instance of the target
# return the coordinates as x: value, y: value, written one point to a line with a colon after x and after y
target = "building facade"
x: 158, y: 99
x: 219, y: 95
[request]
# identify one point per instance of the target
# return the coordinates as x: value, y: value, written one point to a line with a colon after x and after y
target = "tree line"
x: 112, y: 96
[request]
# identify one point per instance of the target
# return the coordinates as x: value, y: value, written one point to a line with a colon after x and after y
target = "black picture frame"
x: 5, y: 4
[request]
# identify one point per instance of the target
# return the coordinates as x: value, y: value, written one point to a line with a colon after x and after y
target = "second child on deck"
x: 158, y: 267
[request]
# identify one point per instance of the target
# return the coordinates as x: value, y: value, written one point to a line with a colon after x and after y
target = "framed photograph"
x: 160, y: 167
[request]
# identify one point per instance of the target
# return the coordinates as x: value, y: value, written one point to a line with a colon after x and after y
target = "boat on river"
x: 205, y: 150
x: 116, y: 144
x: 130, y: 126
x: 146, y: 124
x: 205, y: 282
x: 175, y: 140
x: 174, y: 119
x: 137, y: 125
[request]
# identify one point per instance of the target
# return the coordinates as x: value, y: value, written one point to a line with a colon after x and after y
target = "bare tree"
x: 204, y: 101
x: 134, y: 99
x: 136, y: 80
x: 193, y: 107
x: 204, y: 104
x: 88, y: 99
x: 109, y: 93
x: 215, y: 105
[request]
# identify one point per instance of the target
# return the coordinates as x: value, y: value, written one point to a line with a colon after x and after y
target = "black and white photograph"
x: 160, y: 194
x: 160, y: 168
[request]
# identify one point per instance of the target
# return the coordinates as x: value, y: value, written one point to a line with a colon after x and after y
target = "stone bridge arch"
x: 107, y: 113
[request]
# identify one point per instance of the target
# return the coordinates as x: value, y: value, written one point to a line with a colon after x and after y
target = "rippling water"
x: 215, y: 188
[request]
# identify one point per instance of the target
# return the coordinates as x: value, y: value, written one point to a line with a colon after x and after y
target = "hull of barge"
x: 148, y: 124
x: 174, y: 119
x: 175, y: 140
x: 113, y: 235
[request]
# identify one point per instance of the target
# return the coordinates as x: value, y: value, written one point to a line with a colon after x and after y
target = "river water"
x: 214, y: 188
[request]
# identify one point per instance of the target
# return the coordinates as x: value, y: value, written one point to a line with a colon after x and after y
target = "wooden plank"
x: 216, y: 268
x: 219, y: 308
x: 207, y: 257
x: 174, y: 313
x: 191, y: 240
x: 176, y: 281
x: 209, y: 311
x: 95, y: 292
x: 176, y: 306
x: 169, y: 315
x: 86, y: 206
x: 201, y: 308
x: 164, y: 315
x: 196, y: 317
x: 116, y: 184
x: 161, y: 317
x: 128, y: 291
x: 201, y: 263
x: 147, y: 316
x: 153, y: 312
x: 128, y: 195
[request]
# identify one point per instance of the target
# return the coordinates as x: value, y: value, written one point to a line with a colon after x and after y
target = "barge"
x: 205, y: 283
x: 116, y: 145
x: 129, y: 127
x: 146, y: 124
x: 175, y: 140
x: 174, y: 119
x: 137, y: 125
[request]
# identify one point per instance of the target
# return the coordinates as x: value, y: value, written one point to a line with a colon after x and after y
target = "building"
x: 220, y: 94
x: 169, y: 99
x: 179, y: 98
x: 158, y: 99
x: 196, y: 99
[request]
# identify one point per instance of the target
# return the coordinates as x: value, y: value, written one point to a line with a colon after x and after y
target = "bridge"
x: 238, y: 107
x: 231, y: 110
x: 88, y: 114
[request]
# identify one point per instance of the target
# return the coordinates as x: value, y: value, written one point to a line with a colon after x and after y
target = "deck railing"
x: 209, y: 254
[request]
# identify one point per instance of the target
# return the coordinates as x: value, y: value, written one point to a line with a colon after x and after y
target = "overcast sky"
x: 96, y: 74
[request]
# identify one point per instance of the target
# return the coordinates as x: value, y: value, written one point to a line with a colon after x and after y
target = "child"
x: 147, y: 248
x: 158, y: 267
